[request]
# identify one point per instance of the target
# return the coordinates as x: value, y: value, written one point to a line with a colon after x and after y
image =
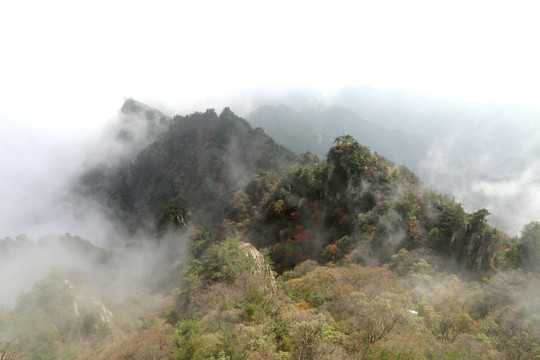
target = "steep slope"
x: 360, y: 208
x: 140, y: 124
x: 211, y: 168
x: 314, y: 129
x: 136, y: 126
x: 192, y: 168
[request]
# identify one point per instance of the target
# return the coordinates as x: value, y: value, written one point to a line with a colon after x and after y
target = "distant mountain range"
x: 314, y: 129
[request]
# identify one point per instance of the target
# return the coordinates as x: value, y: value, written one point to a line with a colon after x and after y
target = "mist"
x: 48, y: 224
x: 483, y: 154
x: 401, y: 66
x: 485, y: 157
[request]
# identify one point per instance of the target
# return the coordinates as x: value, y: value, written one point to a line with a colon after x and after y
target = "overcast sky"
x: 66, y: 66
x: 72, y: 62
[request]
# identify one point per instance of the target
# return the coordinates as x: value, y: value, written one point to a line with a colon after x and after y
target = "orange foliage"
x: 412, y: 225
x: 302, y: 305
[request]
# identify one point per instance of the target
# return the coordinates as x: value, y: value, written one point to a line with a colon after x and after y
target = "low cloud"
x: 489, y: 163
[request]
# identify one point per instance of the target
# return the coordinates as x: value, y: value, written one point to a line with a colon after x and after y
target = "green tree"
x: 348, y: 157
x: 172, y: 217
x: 187, y: 337
x: 278, y: 208
x: 344, y: 139
x: 450, y: 223
x: 510, y: 256
x: 478, y: 220
x: 529, y: 244
x: 226, y: 261
x: 408, y: 206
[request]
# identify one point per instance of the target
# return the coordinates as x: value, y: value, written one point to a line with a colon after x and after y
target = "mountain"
x: 358, y: 205
x: 195, y: 165
x: 139, y: 125
x: 238, y: 248
x: 136, y: 126
x: 314, y: 129
x: 210, y: 168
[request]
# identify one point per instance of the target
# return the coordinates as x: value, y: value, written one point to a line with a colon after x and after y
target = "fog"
x: 485, y: 155
x: 465, y: 75
x: 48, y: 224
x: 39, y: 169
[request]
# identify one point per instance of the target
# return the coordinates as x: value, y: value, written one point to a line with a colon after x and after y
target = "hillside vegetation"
x: 266, y: 254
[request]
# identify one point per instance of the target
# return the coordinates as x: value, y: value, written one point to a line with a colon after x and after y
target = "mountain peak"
x: 133, y: 106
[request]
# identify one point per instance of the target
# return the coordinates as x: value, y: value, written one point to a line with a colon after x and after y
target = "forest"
x: 238, y: 248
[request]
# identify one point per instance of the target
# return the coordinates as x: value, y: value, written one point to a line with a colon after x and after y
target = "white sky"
x: 70, y: 63
x: 66, y: 66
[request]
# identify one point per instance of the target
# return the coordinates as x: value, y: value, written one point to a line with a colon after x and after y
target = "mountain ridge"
x: 322, y: 124
x: 238, y: 248
x: 210, y: 168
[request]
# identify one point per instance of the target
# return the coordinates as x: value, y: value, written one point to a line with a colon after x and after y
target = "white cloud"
x: 59, y: 52
x: 515, y: 202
